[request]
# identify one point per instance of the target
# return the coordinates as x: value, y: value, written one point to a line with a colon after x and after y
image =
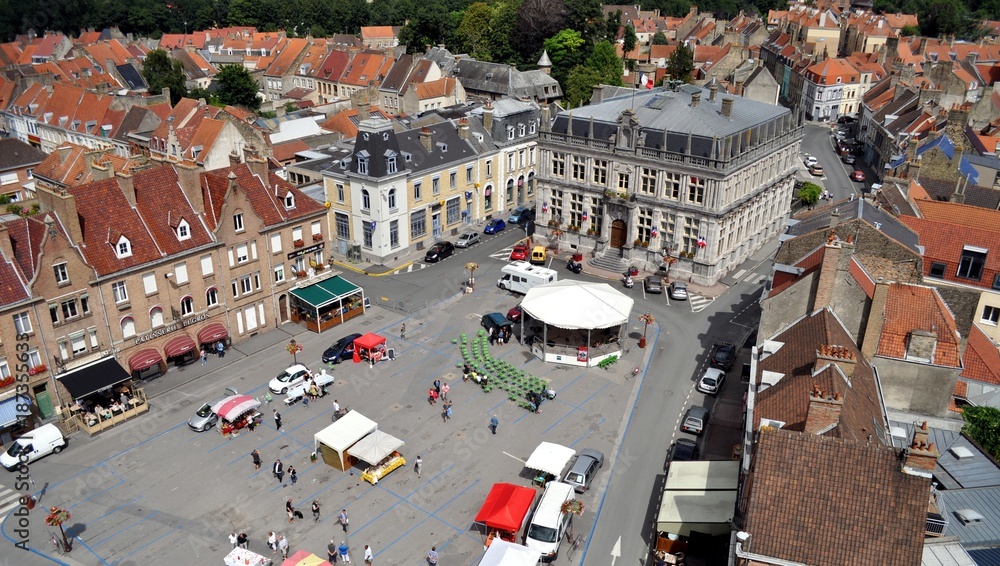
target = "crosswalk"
x: 699, y: 303
x: 9, y: 500
x: 415, y: 266
x: 502, y: 254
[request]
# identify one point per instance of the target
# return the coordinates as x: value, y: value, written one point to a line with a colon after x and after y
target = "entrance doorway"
x: 44, y: 401
x: 618, y: 234
x: 436, y: 224
x: 283, y: 308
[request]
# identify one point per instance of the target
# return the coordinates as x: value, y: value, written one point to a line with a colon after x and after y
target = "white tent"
x: 577, y: 305
x: 549, y: 458
x: 503, y: 553
x: 374, y: 447
x: 340, y: 436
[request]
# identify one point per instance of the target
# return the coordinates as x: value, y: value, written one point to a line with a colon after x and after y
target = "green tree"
x: 198, y: 93
x: 474, y: 33
x: 237, y: 87
x: 433, y: 25
x: 982, y: 424
x: 537, y: 20
x: 604, y: 59
x: 580, y: 84
x: 909, y: 31
x: 943, y: 17
x: 660, y: 38
x: 809, y: 193
x: 566, y: 51
x: 160, y: 71
x: 503, y: 27
x: 681, y: 63
x: 629, y: 39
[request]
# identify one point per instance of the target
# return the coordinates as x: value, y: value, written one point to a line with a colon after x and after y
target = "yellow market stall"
x: 381, y: 452
x: 332, y: 442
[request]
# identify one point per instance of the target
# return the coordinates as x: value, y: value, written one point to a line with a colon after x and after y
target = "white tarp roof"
x: 348, y: 429
x: 374, y: 447
x: 549, y: 458
x: 706, y: 512
x: 577, y: 305
x: 503, y: 553
x: 703, y: 475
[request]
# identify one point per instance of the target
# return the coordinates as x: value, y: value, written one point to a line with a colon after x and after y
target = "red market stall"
x: 369, y: 347
x: 504, y: 511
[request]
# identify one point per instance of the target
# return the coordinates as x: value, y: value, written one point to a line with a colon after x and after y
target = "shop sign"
x: 171, y: 328
x: 304, y: 251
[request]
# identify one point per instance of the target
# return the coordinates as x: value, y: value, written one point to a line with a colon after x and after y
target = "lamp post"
x: 472, y: 267
x: 646, y: 319
x: 294, y: 348
x: 56, y: 518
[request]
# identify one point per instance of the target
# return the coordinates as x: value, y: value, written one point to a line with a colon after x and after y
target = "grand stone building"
x: 686, y: 175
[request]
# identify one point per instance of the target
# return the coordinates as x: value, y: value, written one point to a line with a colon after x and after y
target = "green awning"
x: 326, y: 292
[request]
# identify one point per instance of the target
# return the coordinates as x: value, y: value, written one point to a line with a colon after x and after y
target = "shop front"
x: 104, y: 396
x: 326, y: 303
x: 15, y: 420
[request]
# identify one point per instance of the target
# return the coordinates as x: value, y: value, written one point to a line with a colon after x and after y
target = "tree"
x: 237, y: 87
x: 537, y: 20
x: 198, y: 93
x: 629, y: 39
x: 160, y: 71
x: 431, y: 26
x: 943, y: 17
x: 660, y: 38
x: 909, y: 30
x: 580, y: 84
x: 566, y: 51
x: 604, y: 59
x: 681, y: 63
x: 982, y: 424
x: 473, y: 34
x: 809, y: 193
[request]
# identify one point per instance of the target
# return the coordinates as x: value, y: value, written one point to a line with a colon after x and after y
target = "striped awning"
x: 212, y: 333
x: 144, y: 359
x: 179, y: 346
x: 8, y: 409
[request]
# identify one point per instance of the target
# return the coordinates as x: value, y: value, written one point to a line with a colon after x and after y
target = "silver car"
x: 678, y: 291
x: 581, y: 474
x: 467, y: 239
x: 204, y: 419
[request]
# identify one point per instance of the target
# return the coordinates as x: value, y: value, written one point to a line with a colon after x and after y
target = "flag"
x: 645, y: 80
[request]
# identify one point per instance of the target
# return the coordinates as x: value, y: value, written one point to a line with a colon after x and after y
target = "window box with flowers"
x: 641, y: 243
x: 591, y: 232
x: 40, y: 368
x: 300, y: 273
x: 573, y: 228
x: 317, y: 237
x: 299, y: 243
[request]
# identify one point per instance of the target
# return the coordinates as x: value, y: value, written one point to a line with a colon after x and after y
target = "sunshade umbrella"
x: 304, y: 558
x: 234, y: 406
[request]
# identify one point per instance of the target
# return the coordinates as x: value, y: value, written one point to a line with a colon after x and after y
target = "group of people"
x: 500, y: 337
x: 219, y: 348
x: 101, y: 408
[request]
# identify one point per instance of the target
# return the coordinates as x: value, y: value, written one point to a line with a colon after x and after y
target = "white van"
x: 549, y: 524
x: 520, y: 276
x: 33, y: 445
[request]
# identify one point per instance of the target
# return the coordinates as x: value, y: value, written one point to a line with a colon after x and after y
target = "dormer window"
x: 364, y: 136
x: 289, y: 200
x: 520, y: 130
x: 123, y: 248
x: 183, y: 230
x: 385, y: 136
x: 510, y: 132
x: 363, y: 162
x: 390, y: 163
x: 531, y: 128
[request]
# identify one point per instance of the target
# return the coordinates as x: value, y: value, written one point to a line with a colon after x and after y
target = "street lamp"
x: 294, y: 348
x: 56, y: 518
x: 646, y: 319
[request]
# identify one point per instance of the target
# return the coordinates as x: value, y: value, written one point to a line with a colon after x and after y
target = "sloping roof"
x: 15, y: 154
x: 981, y: 358
x: 435, y: 89
x: 960, y: 214
x: 266, y: 201
x: 811, y: 499
x: 910, y: 308
x: 286, y: 151
x: 819, y: 218
x: 133, y: 78
x: 983, y: 500
x: 282, y: 63
x: 943, y: 242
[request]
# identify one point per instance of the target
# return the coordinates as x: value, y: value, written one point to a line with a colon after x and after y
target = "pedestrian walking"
x: 256, y: 459
x: 277, y: 419
x: 368, y: 555
x: 290, y: 510
x: 344, y: 521
x: 243, y: 541
x: 432, y: 556
x: 447, y: 411
x: 292, y: 475
x: 432, y: 396
x: 331, y: 552
x: 343, y: 551
x: 220, y: 349
x: 417, y: 465
x: 272, y: 542
x: 493, y: 335
x: 437, y: 386
x: 402, y: 332
x: 445, y: 388
x: 278, y: 471
x: 232, y: 539
x: 315, y: 510
x: 204, y: 356
x: 494, y: 423
x: 283, y: 546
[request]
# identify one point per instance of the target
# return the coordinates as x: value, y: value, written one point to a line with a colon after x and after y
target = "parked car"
x: 291, y: 377
x: 467, y: 239
x: 678, y: 291
x: 519, y: 253
x: 846, y: 120
x: 816, y: 169
x: 204, y: 419
x: 848, y: 159
x: 518, y: 213
x: 340, y: 350
x: 683, y: 450
x: 439, y: 251
x: 514, y: 314
x: 724, y: 356
x: 711, y: 382
x: 811, y: 160
x: 494, y: 226
x: 581, y: 473
x: 858, y: 176
x: 652, y: 284
x: 32, y: 445
x: 538, y: 256
x: 695, y: 420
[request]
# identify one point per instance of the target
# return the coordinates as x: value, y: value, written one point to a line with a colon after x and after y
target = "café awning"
x: 326, y: 292
x: 144, y: 359
x: 212, y: 333
x: 91, y: 378
x: 179, y: 346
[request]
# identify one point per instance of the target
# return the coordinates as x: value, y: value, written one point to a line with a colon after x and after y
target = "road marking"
x: 739, y: 274
x: 9, y: 499
x: 410, y: 268
x: 502, y: 254
x: 515, y: 457
x: 698, y: 302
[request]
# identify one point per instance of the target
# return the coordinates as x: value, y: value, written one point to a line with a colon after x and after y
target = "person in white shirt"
x: 368, y: 555
x: 232, y: 539
x: 283, y: 546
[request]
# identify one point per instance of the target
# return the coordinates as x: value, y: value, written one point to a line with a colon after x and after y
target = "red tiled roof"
x: 267, y: 201
x: 960, y: 214
x: 808, y: 264
x: 435, y: 89
x: 283, y: 62
x: 105, y: 215
x: 162, y: 204
x: 944, y: 242
x: 377, y: 32
x: 26, y: 237
x: 912, y: 307
x: 284, y: 152
x: 982, y: 358
x: 333, y: 66
x: 366, y: 67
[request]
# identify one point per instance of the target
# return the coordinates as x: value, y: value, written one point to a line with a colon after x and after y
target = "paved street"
x: 817, y: 141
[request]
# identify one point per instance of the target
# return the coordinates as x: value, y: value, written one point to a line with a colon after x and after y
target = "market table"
x: 243, y: 557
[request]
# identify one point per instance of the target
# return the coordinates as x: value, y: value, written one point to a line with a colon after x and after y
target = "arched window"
x: 187, y: 305
x: 510, y: 190
x: 392, y: 198
x: 128, y: 327
x: 366, y: 200
x: 212, y: 297
x: 156, y: 317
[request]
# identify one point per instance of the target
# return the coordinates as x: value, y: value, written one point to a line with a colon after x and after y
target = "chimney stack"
x: 727, y: 106
x: 64, y: 151
x: 364, y: 111
x: 232, y: 185
x: 189, y: 179
x: 6, y: 246
x: 824, y: 411
x: 713, y: 90
x: 695, y: 99
x: 827, y: 273
x: 920, y: 457
x: 258, y: 166
x: 463, y: 128
x: 488, y: 117
x: 839, y: 355
x: 425, y: 138
x: 127, y: 186
x: 63, y: 205
x: 869, y: 340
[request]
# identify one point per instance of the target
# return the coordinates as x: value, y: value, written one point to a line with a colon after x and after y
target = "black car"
x: 439, y: 251
x: 574, y: 266
x: 342, y: 349
x: 683, y: 450
x: 724, y: 356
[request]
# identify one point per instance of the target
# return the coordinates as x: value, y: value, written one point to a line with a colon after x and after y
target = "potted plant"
x: 637, y: 242
x: 299, y: 243
x: 646, y: 319
x: 300, y: 273
x: 317, y: 237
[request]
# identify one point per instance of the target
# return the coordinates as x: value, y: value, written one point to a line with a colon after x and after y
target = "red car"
x: 519, y: 253
x: 858, y: 176
x: 514, y: 314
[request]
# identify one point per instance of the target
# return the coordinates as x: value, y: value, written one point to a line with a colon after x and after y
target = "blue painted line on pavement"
x: 577, y: 407
x: 130, y: 526
x: 137, y: 549
x: 116, y: 484
x: 405, y: 499
x: 429, y: 515
x: 614, y: 461
x: 90, y: 549
x: 586, y: 434
x: 116, y: 508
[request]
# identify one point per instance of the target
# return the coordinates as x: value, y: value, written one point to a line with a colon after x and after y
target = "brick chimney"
x: 258, y: 166
x: 488, y: 117
x: 63, y: 205
x: 127, y: 187
x: 920, y: 457
x: 463, y: 128
x: 189, y: 179
x: 824, y: 411
x: 844, y: 358
x: 695, y: 99
x: 827, y: 273
x: 727, y: 106
x: 713, y: 90
x: 425, y: 138
x: 364, y: 111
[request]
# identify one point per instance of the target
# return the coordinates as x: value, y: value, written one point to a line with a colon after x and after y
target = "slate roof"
x: 978, y: 470
x: 811, y: 500
x: 15, y: 154
x: 819, y: 219
x: 913, y: 307
x: 133, y: 78
x: 985, y: 501
x: 984, y: 197
x: 787, y: 400
x: 137, y: 119
x: 395, y: 79
x: 504, y: 80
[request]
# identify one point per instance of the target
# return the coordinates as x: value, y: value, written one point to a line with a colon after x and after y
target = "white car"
x: 467, y: 239
x: 811, y: 160
x: 711, y: 382
x: 291, y: 377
